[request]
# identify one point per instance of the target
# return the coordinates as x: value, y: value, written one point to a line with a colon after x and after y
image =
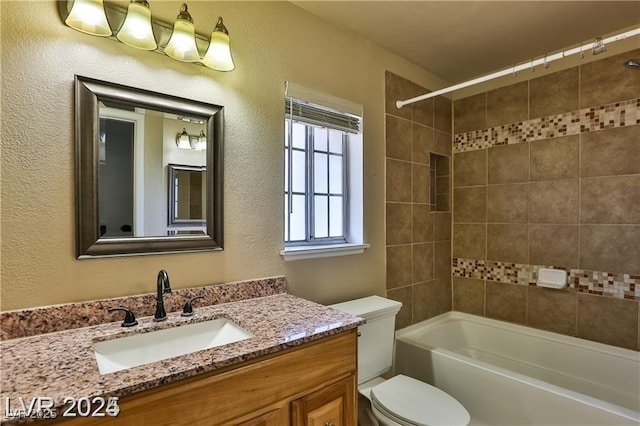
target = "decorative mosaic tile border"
x: 611, y: 284
x: 618, y: 114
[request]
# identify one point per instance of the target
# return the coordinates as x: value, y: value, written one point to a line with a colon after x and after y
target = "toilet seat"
x: 410, y: 402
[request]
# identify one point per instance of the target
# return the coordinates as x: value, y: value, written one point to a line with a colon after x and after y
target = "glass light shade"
x: 182, y: 44
x: 202, y: 142
x: 218, y: 56
x: 136, y: 30
x: 88, y: 16
x: 183, y: 140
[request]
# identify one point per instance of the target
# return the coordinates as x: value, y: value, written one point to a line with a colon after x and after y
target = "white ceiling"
x: 458, y: 40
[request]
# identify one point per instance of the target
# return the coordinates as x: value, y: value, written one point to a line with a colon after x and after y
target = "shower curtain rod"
x: 514, y: 69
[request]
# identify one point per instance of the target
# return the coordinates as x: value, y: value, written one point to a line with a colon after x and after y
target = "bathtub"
x: 506, y: 374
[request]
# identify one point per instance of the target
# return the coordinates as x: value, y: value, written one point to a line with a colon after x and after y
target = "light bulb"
x: 183, y: 140
x: 88, y: 16
x: 202, y: 142
x: 182, y: 44
x: 136, y: 30
x: 218, y: 56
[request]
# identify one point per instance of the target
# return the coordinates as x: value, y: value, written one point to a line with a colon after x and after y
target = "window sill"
x: 312, y: 252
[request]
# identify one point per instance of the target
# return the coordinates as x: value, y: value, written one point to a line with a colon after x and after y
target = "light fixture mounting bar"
x: 541, y: 61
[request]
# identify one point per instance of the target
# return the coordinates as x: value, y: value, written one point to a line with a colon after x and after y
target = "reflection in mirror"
x: 187, y: 187
x: 128, y: 145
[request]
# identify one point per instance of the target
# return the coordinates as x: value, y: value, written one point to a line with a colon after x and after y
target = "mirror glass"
x: 149, y: 171
x: 187, y: 189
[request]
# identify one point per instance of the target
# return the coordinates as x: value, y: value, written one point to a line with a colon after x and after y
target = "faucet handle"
x: 187, y: 309
x: 129, y: 318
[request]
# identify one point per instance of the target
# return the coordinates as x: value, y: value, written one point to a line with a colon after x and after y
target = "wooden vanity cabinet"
x: 312, y: 384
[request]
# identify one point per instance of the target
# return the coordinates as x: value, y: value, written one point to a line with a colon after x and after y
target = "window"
x: 323, y: 177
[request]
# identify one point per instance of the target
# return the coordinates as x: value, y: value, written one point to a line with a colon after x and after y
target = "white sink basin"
x: 139, y: 349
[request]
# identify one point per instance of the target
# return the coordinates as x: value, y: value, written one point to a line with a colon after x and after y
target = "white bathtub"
x: 506, y: 374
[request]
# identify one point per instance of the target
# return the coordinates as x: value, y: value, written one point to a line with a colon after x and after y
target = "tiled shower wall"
x: 547, y: 173
x: 418, y: 239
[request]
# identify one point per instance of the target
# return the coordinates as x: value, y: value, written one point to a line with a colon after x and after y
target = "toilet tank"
x: 375, y: 344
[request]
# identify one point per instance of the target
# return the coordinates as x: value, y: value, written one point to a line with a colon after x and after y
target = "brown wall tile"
x: 442, y: 164
x: 508, y: 163
x: 610, y: 200
x: 422, y: 223
x: 431, y: 298
x: 470, y: 204
x: 403, y: 295
x: 442, y: 115
x: 606, y: 81
x: 398, y: 223
x: 470, y: 113
x: 507, y: 302
x: 398, y: 137
x: 610, y: 248
x: 443, y: 185
x: 422, y: 262
x: 423, y: 111
x: 397, y: 88
x: 398, y: 181
x: 554, y: 201
x: 507, y: 243
x: 508, y: 104
x: 610, y: 152
x: 554, y: 245
x: 470, y: 168
x: 398, y: 266
x: 443, y: 202
x: 442, y: 299
x: 608, y: 320
x: 423, y: 298
x: 553, y: 159
x: 468, y: 295
x: 422, y: 143
x: 443, y: 143
x: 552, y: 310
x: 442, y: 259
x: 441, y: 226
x: 508, y: 203
x: 553, y: 94
x: 469, y: 241
x: 420, y: 183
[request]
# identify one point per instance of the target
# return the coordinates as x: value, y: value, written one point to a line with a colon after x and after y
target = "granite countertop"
x: 62, y: 364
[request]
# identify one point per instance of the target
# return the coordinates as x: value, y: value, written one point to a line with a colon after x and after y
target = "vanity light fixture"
x: 182, y: 44
x: 182, y: 140
x: 186, y: 141
x: 218, y: 56
x: 88, y: 16
x: 136, y: 31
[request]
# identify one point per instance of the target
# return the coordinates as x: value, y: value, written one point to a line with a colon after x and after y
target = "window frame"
x: 310, y: 193
x: 323, y: 110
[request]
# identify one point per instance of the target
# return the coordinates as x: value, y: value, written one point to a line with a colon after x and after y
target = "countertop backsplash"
x: 49, y: 319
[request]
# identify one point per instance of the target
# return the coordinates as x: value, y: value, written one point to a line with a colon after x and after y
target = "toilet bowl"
x: 400, y: 400
x: 405, y: 401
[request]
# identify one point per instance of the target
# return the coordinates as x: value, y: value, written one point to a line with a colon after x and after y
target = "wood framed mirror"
x: 126, y: 140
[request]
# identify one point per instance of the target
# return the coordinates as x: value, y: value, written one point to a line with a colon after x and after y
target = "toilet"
x: 400, y: 400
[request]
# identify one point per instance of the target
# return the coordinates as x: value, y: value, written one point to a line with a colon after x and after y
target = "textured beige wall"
x: 272, y: 42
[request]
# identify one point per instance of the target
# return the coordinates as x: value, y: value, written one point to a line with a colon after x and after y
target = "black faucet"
x: 163, y: 287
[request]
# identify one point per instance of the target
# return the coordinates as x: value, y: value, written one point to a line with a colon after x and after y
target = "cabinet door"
x: 333, y: 405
